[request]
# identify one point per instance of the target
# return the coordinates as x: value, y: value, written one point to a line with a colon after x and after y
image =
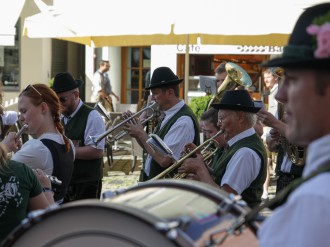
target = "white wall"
x: 163, y: 55
x: 114, y: 56
x: 89, y: 70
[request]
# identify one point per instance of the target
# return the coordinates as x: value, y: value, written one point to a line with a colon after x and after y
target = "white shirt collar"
x: 245, y: 133
x: 317, y: 154
x: 170, y: 112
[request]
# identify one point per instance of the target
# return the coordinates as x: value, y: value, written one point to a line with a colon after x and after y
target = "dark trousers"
x: 284, y: 179
x: 86, y: 190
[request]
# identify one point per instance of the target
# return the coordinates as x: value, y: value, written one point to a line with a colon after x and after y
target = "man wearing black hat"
x: 178, y: 127
x: 304, y: 217
x: 241, y: 169
x: 80, y: 123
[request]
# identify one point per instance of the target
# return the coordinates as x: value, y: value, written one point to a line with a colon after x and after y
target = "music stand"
x: 207, y: 84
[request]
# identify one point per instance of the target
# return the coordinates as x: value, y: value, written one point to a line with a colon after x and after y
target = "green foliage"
x: 199, y: 104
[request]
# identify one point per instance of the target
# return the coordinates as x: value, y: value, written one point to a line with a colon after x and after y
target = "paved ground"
x: 119, y: 175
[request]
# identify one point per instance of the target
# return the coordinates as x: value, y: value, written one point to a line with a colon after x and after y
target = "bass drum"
x: 160, y: 213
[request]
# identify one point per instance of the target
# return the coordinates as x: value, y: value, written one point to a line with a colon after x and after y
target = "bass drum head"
x: 159, y: 213
x: 88, y: 223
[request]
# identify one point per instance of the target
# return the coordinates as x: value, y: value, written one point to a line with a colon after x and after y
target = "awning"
x: 147, y: 22
x: 10, y: 12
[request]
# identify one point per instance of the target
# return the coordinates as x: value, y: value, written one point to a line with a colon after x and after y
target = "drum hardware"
x: 21, y: 131
x: 204, y: 146
x: 97, y: 139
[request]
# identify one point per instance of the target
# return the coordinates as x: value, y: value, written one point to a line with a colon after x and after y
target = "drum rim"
x: 32, y: 221
x: 211, y: 192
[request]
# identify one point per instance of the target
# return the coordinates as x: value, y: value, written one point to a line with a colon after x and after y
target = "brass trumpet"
x: 97, y: 139
x: 206, y: 155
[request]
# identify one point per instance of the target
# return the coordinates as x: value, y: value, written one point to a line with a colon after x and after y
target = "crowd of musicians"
x: 243, y: 138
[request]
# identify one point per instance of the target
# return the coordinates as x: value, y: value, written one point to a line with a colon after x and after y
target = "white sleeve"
x: 35, y: 154
x: 242, y: 169
x: 302, y: 221
x: 95, y: 126
x: 180, y: 133
x: 9, y: 118
x: 96, y: 83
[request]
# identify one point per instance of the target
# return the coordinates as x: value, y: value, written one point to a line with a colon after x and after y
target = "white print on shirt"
x: 9, y: 193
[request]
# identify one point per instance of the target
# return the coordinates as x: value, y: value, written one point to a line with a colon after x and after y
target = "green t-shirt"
x: 18, y: 183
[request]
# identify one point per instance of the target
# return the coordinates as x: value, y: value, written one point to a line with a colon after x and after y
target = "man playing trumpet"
x: 241, y: 169
x: 178, y: 127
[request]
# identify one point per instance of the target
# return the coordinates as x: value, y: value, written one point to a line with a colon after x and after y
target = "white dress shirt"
x: 304, y: 220
x: 243, y: 167
x: 181, y: 133
x: 94, y: 127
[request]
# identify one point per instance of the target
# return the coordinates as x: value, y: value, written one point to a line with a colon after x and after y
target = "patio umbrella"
x: 148, y: 22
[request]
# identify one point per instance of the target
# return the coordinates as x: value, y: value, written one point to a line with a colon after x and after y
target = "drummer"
x: 242, y: 167
x: 304, y: 218
x: 22, y: 192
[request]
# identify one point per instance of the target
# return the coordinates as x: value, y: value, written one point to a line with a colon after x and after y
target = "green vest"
x: 84, y: 170
x: 252, y: 194
x: 155, y: 169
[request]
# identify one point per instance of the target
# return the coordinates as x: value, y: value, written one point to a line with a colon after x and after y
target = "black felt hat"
x: 163, y: 77
x: 64, y: 82
x: 309, y: 43
x: 237, y: 100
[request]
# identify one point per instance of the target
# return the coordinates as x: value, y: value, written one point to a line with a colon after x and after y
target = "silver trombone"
x: 97, y: 139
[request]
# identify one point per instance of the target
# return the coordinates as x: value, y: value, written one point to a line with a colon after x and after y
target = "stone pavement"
x: 119, y: 175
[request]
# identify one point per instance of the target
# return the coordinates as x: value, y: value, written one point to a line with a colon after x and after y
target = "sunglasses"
x: 63, y: 99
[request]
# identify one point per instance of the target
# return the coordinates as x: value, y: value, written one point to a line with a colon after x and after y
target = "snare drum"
x: 159, y: 213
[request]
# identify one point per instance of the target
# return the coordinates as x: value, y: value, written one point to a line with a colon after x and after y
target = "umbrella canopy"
x: 146, y: 22
x: 10, y: 11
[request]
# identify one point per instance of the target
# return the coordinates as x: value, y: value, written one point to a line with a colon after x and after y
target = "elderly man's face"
x: 228, y: 121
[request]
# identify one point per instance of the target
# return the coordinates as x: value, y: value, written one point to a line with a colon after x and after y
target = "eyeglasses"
x: 34, y: 89
x: 63, y: 99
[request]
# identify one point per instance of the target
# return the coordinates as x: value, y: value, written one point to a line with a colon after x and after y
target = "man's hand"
x: 192, y: 165
x: 133, y: 126
x: 272, y: 140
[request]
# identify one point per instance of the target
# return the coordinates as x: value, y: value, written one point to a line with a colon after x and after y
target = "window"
x: 9, y: 64
x: 136, y: 75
